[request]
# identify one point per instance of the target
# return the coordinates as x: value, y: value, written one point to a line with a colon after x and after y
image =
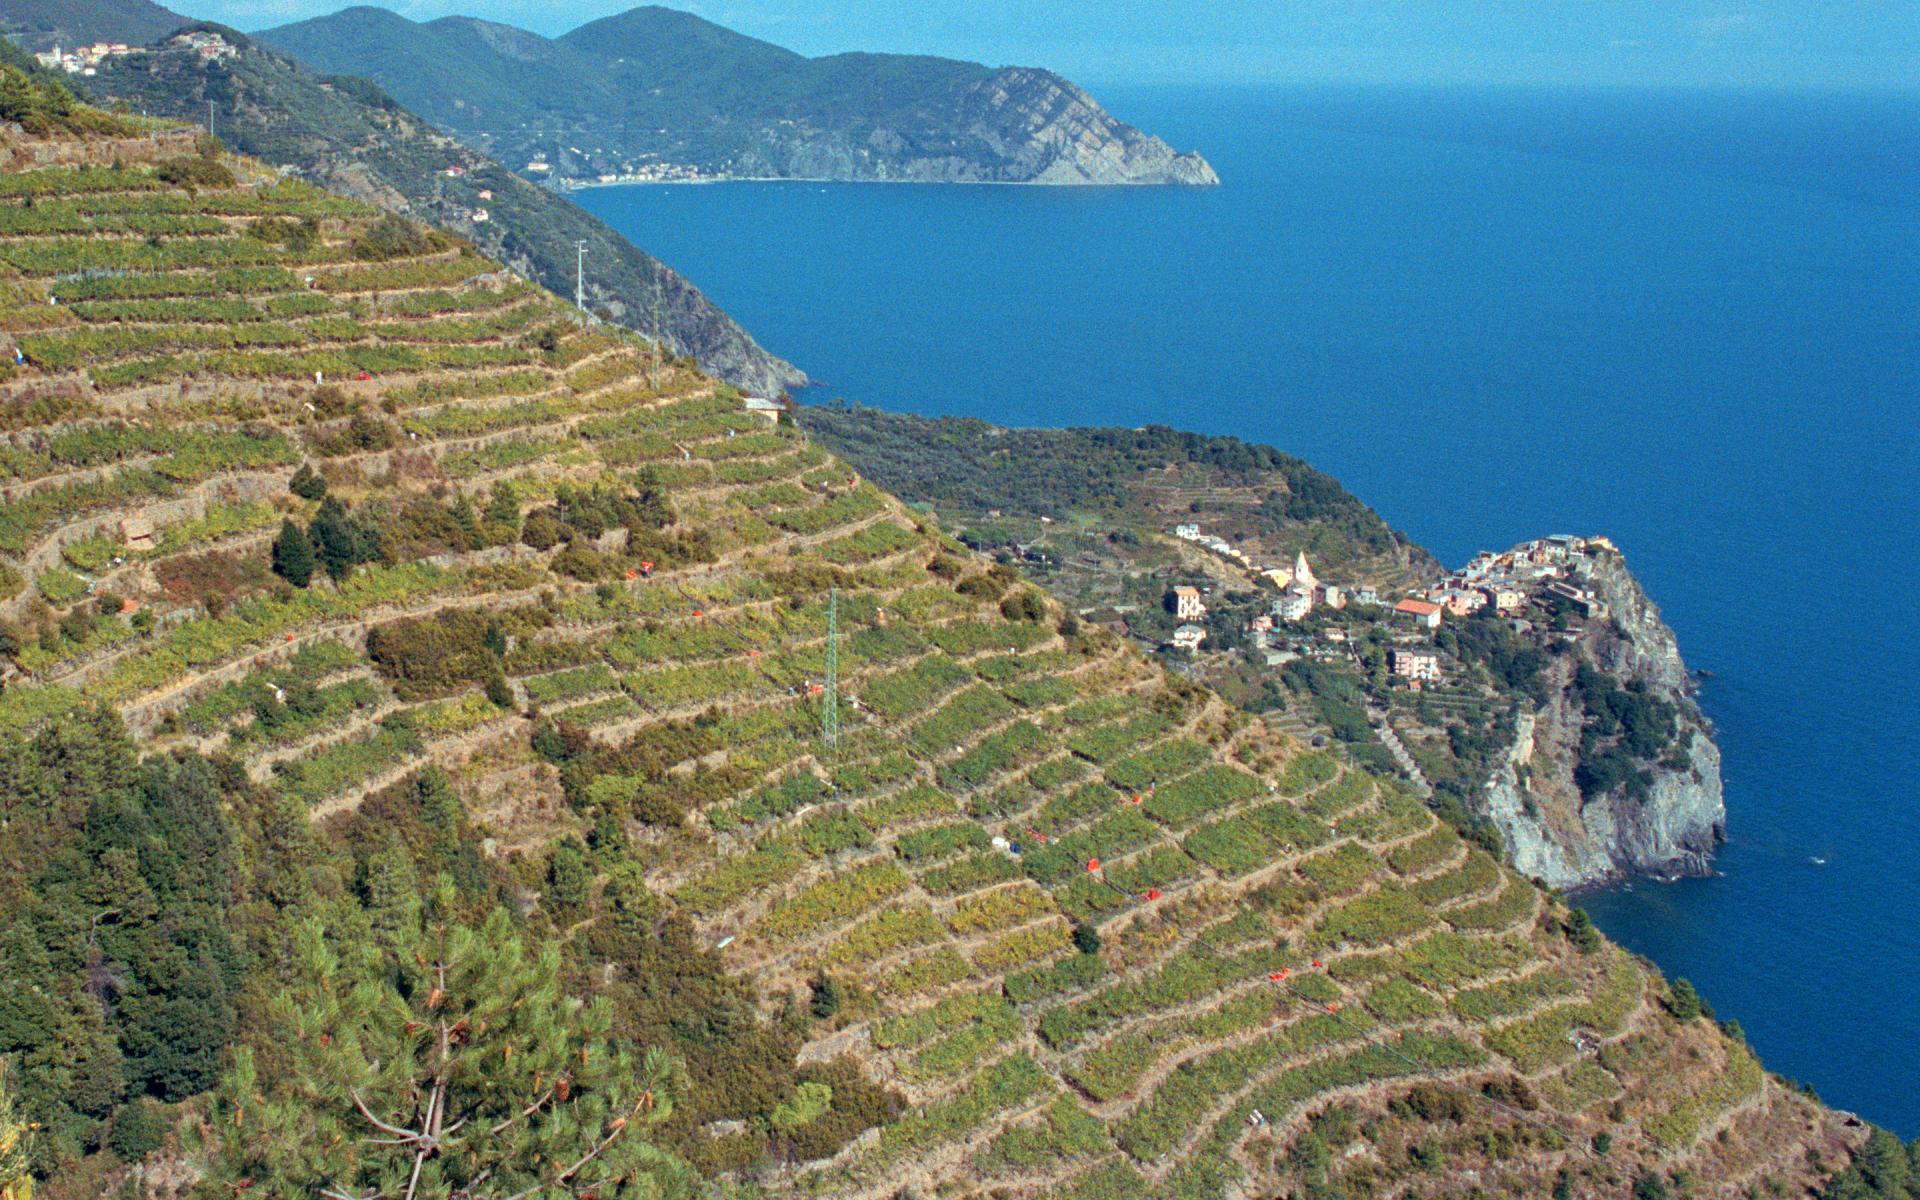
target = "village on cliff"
x: 1545, y: 575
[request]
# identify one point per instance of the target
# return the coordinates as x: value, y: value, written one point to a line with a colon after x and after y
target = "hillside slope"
x: 393, y: 573
x: 1512, y: 741
x: 42, y: 24
x: 345, y: 134
x: 659, y: 94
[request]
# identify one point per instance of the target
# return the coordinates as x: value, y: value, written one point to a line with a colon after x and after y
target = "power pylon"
x: 580, y: 276
x: 830, y: 703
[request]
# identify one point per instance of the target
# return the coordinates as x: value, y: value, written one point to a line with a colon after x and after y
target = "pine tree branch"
x: 590, y: 1155
x: 408, y: 1134
x: 528, y: 1111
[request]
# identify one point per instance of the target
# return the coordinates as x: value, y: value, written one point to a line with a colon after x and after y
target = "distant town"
x: 86, y: 60
x: 1539, y: 572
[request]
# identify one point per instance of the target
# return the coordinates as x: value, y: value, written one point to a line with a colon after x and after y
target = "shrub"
x: 394, y: 237
x: 1086, y: 939
x: 826, y: 999
x: 1024, y: 605
x: 194, y: 172
x: 307, y: 483
x: 569, y: 874
x: 1684, y: 1002
x: 1581, y: 931
x: 427, y: 656
x: 138, y: 1130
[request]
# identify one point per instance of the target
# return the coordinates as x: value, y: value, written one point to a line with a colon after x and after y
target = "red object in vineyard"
x: 1093, y: 865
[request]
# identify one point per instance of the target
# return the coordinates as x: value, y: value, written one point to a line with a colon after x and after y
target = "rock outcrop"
x: 1016, y: 125
x: 659, y: 95
x: 1555, y: 833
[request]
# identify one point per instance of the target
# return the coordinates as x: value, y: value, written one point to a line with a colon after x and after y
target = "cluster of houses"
x: 1551, y: 568
x: 1503, y: 582
x: 1300, y: 590
x: 82, y: 60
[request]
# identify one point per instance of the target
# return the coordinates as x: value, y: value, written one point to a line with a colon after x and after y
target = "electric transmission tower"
x: 830, y: 703
x: 659, y: 347
x: 580, y: 276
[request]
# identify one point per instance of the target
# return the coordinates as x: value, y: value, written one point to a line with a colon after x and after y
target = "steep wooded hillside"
x: 358, y: 599
x: 658, y: 93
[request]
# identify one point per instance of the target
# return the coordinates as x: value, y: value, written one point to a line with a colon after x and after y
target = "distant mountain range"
x: 657, y: 93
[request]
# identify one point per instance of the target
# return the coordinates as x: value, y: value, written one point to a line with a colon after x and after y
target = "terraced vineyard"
x: 1104, y: 935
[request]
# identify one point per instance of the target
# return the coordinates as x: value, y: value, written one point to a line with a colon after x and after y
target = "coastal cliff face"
x: 1667, y: 826
x: 1016, y: 125
x: 656, y: 95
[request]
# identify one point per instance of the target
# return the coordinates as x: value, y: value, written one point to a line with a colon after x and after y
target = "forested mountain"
x: 41, y: 24
x: 659, y: 93
x: 346, y: 134
x: 448, y: 750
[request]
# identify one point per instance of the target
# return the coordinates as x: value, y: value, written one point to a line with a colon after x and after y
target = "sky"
x: 1766, y: 43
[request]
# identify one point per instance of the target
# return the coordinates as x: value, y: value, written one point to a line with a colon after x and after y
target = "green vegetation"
x: 489, y: 692
x: 555, y: 1104
x: 326, y: 126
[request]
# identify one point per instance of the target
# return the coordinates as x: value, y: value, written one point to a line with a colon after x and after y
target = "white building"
x: 1294, y: 606
x: 1187, y: 532
x: 1188, y: 637
x: 1303, y: 576
x: 1416, y: 663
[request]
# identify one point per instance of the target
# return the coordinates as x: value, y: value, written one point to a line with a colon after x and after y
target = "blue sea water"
x: 1689, y: 320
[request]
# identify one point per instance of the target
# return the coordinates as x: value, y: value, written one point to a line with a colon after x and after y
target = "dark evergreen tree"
x: 333, y: 538
x: 293, y: 555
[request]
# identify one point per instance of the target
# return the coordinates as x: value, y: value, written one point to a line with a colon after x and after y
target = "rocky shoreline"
x: 1571, y: 841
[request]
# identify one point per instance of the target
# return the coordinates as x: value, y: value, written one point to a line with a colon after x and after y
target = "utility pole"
x: 659, y: 347
x: 580, y: 276
x: 830, y: 703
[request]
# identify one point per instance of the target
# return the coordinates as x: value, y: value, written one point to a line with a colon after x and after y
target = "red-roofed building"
x: 1420, y: 611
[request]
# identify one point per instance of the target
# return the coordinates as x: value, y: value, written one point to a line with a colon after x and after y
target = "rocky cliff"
x: 1017, y: 125
x: 1665, y: 820
x: 655, y: 94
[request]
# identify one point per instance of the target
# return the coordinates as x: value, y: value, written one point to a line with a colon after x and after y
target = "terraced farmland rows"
x: 1092, y: 919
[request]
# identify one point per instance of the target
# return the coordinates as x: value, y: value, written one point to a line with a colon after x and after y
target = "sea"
x: 1689, y: 320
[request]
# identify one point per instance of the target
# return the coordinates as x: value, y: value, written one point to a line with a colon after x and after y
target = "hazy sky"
x: 1835, y: 43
